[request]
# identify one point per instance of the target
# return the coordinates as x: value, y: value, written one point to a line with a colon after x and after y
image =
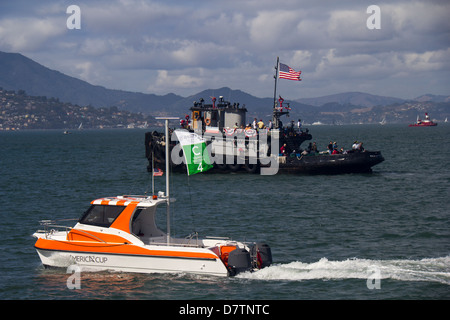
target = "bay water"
x: 384, y: 235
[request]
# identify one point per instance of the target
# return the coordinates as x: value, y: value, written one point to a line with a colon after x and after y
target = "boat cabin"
x: 128, y: 215
x: 218, y: 115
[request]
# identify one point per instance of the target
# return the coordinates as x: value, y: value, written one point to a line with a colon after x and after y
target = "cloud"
x: 427, y: 61
x: 96, y: 46
x: 273, y: 29
x: 188, y: 46
x: 29, y: 33
x: 165, y: 81
x: 127, y: 17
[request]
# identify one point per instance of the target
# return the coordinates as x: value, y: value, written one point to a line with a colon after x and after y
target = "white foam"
x: 433, y: 270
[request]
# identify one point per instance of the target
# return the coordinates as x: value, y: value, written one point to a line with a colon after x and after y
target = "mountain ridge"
x: 22, y: 73
x: 354, y: 98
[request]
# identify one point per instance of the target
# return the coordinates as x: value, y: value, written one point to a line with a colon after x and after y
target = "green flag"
x: 195, y: 153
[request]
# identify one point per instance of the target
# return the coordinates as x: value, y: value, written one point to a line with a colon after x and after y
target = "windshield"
x: 102, y: 216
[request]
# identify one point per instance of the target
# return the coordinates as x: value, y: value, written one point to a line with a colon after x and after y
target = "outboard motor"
x: 239, y: 261
x: 262, y: 255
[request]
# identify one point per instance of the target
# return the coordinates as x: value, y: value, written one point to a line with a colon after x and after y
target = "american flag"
x: 158, y: 172
x: 287, y: 72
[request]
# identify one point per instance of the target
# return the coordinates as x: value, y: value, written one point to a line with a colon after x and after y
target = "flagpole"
x: 276, y: 80
x: 275, y: 116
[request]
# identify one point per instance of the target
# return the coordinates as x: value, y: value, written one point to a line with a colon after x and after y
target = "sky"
x: 184, y: 47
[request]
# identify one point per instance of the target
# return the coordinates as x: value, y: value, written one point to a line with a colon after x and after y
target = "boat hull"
x: 432, y: 124
x: 55, y: 251
x: 137, y: 263
x: 352, y: 162
x: 356, y: 162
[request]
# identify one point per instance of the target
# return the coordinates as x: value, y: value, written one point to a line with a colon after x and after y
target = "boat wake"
x: 430, y: 270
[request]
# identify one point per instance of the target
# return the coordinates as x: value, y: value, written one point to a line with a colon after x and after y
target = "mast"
x: 276, y: 80
x: 167, y: 172
x: 276, y: 113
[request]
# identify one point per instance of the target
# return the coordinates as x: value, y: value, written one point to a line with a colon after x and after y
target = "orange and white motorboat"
x: 120, y: 233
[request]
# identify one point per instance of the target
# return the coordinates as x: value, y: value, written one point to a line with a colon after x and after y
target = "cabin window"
x: 102, y: 216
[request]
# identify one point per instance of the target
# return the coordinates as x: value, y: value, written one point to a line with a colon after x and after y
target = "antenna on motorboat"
x: 153, y: 173
x: 167, y: 172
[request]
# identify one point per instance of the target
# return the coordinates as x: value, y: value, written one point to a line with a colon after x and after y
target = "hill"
x: 20, y: 111
x: 354, y: 98
x: 24, y: 74
x: 432, y: 97
x: 21, y: 73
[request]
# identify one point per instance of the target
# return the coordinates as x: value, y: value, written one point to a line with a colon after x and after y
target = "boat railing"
x: 176, y: 244
x: 192, y: 240
x: 190, y: 237
x: 52, y: 226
